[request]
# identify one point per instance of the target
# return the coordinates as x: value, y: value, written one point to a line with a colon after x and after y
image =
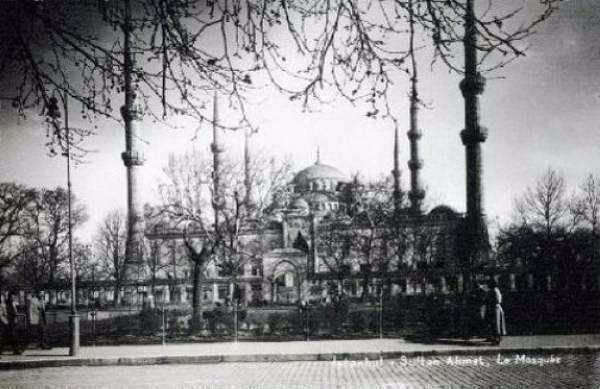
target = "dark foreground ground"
x: 503, y: 370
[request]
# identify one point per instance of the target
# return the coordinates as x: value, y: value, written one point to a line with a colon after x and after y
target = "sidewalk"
x: 322, y: 350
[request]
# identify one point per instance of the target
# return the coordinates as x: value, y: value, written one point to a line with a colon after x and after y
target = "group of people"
x: 35, y: 314
x: 488, y: 315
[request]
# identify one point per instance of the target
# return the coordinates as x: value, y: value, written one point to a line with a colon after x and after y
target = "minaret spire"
x: 248, y: 198
x: 397, y: 195
x: 217, y: 149
x: 416, y: 194
x: 477, y: 240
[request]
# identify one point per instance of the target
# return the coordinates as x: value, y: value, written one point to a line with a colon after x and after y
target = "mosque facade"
x: 292, y: 269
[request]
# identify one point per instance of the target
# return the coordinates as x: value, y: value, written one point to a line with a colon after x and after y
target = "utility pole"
x: 54, y: 114
x: 74, y: 317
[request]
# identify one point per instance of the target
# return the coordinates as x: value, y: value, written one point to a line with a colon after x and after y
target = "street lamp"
x: 54, y: 114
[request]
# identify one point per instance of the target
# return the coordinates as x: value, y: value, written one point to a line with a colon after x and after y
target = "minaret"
x: 248, y: 198
x: 217, y: 149
x: 397, y: 195
x: 477, y: 240
x: 133, y: 159
x: 416, y: 194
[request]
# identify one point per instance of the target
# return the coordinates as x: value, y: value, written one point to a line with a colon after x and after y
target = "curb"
x: 261, y: 358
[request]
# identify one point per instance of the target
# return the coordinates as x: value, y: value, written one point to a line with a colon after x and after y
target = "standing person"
x: 36, y: 318
x: 9, y: 335
x: 495, y: 313
x: 3, y: 323
x: 32, y: 316
x: 42, y: 322
x: 479, y: 310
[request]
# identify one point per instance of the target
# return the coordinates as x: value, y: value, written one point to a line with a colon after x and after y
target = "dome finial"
x: 318, y: 155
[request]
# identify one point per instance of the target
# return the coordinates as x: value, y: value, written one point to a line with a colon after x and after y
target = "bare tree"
x: 156, y: 264
x: 544, y: 205
x: 372, y: 213
x: 389, y: 242
x: 110, y: 249
x: 15, y: 201
x: 178, y: 50
x: 585, y: 208
x: 358, y: 47
x: 334, y: 242
x: 541, y: 220
x: 85, y: 265
x: 213, y: 230
x: 46, y: 229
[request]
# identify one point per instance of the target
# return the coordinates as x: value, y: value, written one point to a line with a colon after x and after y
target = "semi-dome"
x: 320, y: 202
x: 300, y: 203
x: 318, y: 171
x: 443, y: 211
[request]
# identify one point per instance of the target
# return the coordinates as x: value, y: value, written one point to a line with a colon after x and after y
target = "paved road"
x: 499, y: 371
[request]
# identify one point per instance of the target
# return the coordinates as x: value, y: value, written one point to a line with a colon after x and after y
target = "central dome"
x: 318, y: 171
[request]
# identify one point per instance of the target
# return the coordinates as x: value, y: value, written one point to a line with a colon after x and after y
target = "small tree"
x: 110, y: 250
x: 211, y: 225
x: 15, y: 203
x: 544, y: 205
x: 585, y: 208
x: 46, y: 227
x: 335, y: 251
x: 541, y: 221
x: 371, y: 212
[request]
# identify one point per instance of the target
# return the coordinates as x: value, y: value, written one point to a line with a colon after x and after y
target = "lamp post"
x: 54, y: 114
x: 381, y: 309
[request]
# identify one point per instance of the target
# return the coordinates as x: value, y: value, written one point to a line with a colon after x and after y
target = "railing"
x: 560, y: 311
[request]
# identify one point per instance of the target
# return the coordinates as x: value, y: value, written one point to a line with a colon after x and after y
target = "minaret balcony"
x: 414, y: 134
x: 135, y: 111
x: 472, y: 85
x: 416, y: 195
x: 415, y: 164
x: 132, y: 158
x: 473, y: 137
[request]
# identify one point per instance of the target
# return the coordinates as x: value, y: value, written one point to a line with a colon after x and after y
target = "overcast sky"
x: 543, y: 113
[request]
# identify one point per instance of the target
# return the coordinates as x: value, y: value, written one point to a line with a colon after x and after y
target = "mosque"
x: 291, y: 269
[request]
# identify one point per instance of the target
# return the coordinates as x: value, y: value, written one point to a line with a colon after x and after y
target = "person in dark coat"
x: 475, y: 323
x: 3, y: 323
x: 8, y: 313
x: 478, y: 310
x: 495, y: 313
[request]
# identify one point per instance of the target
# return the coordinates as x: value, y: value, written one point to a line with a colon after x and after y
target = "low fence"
x: 557, y: 312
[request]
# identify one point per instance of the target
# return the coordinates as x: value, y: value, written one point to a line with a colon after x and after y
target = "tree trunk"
x: 365, y: 287
x: 116, y: 294
x: 198, y: 279
x: 153, y: 283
